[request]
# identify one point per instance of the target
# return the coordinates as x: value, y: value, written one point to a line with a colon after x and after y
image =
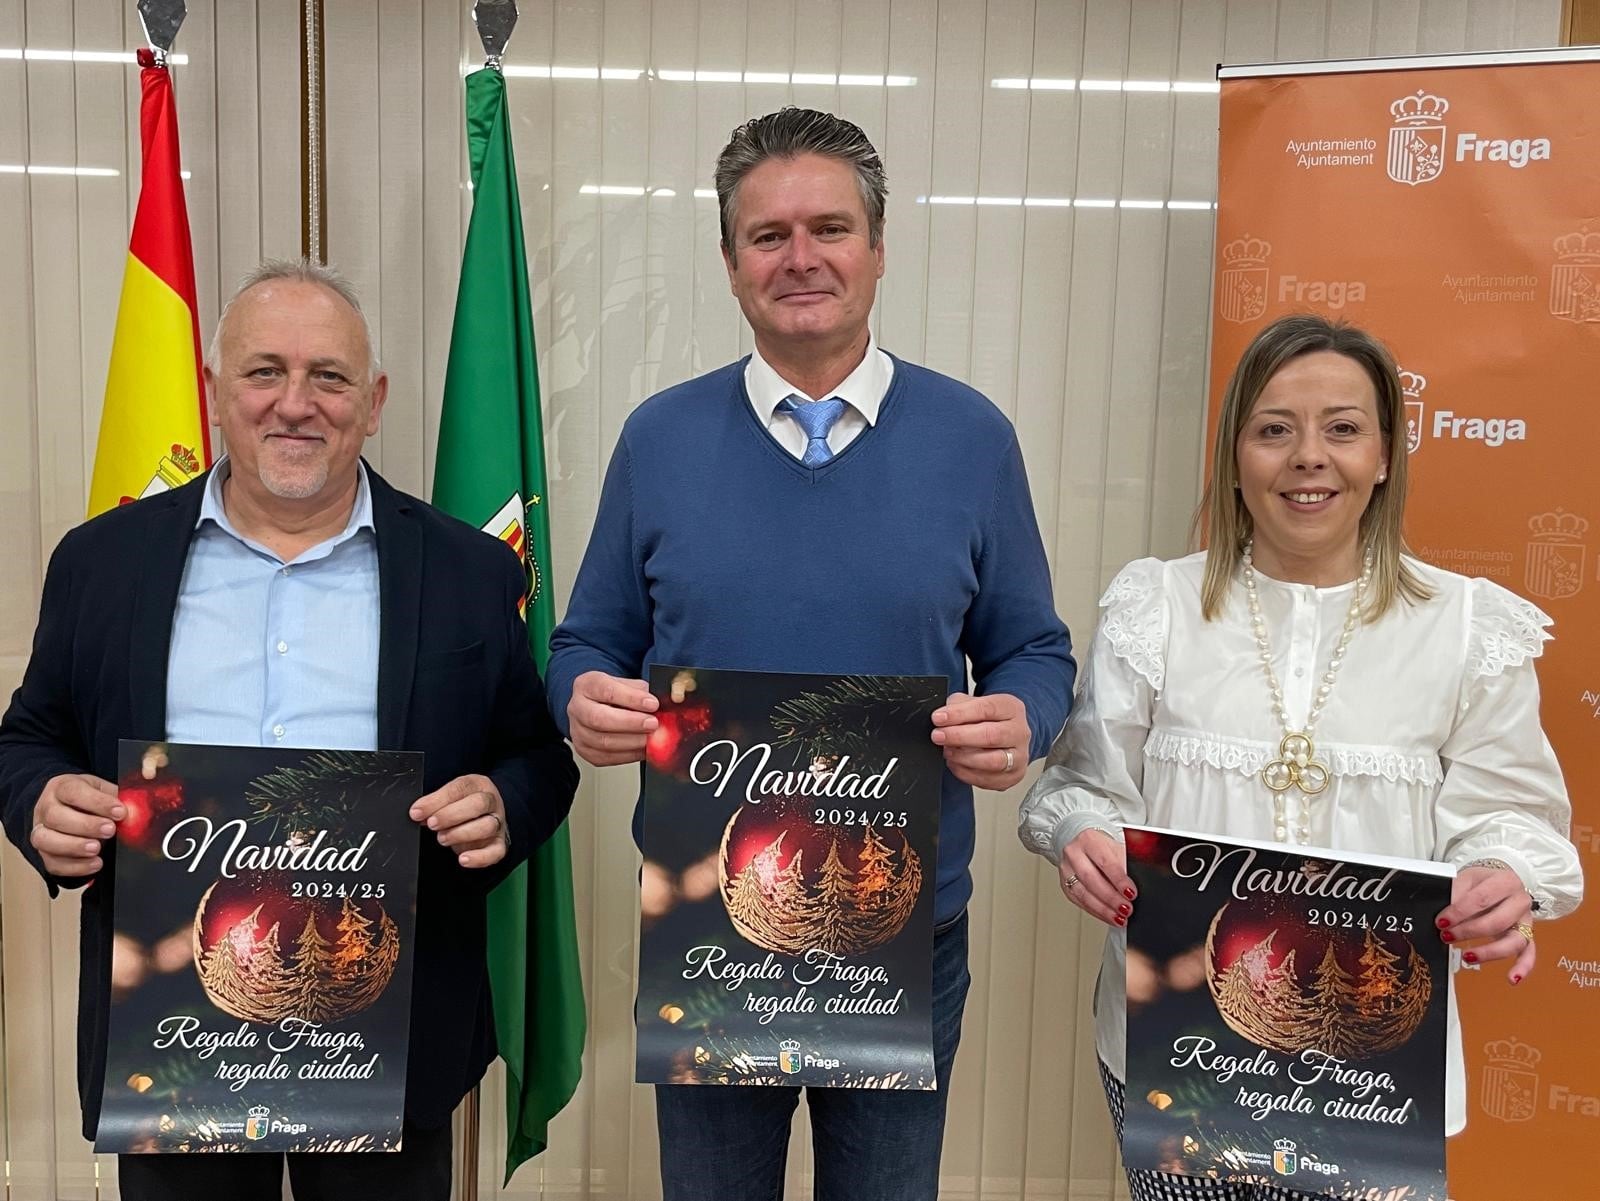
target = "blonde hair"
x: 1228, y: 525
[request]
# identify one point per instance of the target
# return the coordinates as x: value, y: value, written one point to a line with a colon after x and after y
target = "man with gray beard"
x: 291, y: 597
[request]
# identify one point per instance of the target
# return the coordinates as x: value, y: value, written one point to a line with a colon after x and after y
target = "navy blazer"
x: 455, y: 681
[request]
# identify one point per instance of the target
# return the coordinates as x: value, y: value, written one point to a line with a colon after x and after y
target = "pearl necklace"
x: 1297, y: 765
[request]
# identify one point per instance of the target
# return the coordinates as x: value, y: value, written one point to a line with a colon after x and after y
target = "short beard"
x: 300, y: 487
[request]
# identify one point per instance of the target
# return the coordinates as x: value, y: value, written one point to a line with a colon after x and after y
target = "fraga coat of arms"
x: 1242, y: 286
x: 1416, y: 139
x: 1556, y: 555
x: 1510, y: 1083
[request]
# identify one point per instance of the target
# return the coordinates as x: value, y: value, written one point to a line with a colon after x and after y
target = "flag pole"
x: 313, y: 140
x: 161, y: 20
x: 490, y: 472
x: 494, y: 20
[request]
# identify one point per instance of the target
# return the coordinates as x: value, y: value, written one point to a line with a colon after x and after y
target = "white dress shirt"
x: 862, y: 391
x: 1431, y: 733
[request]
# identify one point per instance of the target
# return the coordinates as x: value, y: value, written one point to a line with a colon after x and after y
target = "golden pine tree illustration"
x: 270, y: 976
x: 1379, y: 982
x: 313, y: 968
x: 224, y: 976
x: 353, y: 949
x: 835, y: 903
x: 1333, y: 1006
x: 874, y: 875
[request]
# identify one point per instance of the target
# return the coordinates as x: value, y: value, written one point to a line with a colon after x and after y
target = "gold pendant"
x: 1296, y: 767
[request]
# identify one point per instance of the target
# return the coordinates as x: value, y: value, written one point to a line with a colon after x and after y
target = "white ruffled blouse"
x: 1431, y: 733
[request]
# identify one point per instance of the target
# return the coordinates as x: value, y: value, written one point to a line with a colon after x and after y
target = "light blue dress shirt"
x: 269, y: 653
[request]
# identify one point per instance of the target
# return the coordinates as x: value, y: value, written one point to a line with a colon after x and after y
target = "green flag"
x: 490, y: 472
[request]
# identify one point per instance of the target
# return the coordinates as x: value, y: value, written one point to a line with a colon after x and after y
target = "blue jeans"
x: 730, y: 1143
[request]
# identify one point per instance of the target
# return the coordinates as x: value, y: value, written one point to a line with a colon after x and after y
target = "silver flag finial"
x: 495, y: 20
x: 161, y: 19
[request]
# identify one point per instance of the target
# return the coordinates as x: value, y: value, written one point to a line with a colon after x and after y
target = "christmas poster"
x: 1287, y: 1014
x: 263, y: 905
x: 791, y: 827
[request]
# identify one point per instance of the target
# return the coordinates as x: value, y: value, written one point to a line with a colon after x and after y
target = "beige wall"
x: 1086, y: 322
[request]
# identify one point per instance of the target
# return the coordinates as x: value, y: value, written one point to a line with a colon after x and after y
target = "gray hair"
x: 300, y: 271
x: 789, y: 133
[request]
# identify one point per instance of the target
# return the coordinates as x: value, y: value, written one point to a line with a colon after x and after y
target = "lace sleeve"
x: 1095, y: 772
x: 1135, y: 621
x: 1503, y: 795
x: 1503, y: 630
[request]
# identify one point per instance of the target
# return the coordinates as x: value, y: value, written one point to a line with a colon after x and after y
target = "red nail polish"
x: 1516, y: 979
x: 1128, y: 892
x: 1447, y: 936
x: 1122, y: 921
x: 1470, y: 956
x: 1443, y: 923
x: 1124, y: 909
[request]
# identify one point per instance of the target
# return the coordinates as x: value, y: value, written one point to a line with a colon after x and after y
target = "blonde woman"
x: 1413, y: 687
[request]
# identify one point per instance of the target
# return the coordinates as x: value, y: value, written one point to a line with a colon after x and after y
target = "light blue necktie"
x: 816, y: 418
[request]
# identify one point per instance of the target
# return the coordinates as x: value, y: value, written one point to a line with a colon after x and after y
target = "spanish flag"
x: 153, y: 433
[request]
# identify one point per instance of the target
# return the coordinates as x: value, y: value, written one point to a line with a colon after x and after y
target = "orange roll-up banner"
x: 1452, y: 207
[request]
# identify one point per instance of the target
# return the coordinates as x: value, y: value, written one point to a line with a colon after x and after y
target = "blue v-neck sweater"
x: 912, y: 551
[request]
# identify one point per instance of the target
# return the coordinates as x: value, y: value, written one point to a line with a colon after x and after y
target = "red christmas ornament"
x: 789, y: 883
x: 664, y: 747
x: 1142, y: 845
x: 661, y: 746
x: 147, y: 802
x: 263, y: 954
x: 1287, y: 984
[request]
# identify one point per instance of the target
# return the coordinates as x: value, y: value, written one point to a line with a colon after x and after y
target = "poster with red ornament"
x: 1287, y: 1015
x: 791, y: 831
x: 263, y: 908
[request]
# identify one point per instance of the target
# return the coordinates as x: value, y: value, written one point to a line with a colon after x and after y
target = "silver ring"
x: 1010, y: 759
x: 1070, y: 883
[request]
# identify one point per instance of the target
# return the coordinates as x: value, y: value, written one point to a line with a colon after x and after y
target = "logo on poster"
x: 1244, y: 279
x: 789, y: 1056
x: 1556, y: 555
x: 1510, y: 1083
x: 256, y: 1126
x: 1575, y: 278
x: 1284, y: 1159
x: 1416, y: 140
x: 1412, y: 385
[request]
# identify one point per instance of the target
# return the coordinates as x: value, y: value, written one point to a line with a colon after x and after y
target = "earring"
x: 1383, y: 478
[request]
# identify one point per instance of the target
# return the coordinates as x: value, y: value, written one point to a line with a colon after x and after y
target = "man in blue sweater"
x: 819, y: 507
